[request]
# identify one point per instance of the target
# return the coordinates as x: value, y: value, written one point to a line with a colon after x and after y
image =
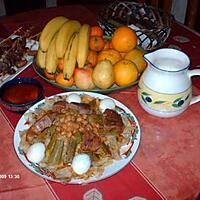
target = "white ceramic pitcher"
x: 165, y: 87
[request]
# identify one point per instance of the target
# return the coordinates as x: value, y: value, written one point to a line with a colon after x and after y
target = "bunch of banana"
x: 70, y: 57
x: 66, y: 39
x: 77, y: 50
x: 49, y: 31
x: 83, y: 45
x: 41, y: 58
x: 51, y: 60
x: 64, y: 35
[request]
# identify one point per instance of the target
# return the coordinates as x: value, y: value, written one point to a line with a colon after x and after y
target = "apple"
x: 83, y: 78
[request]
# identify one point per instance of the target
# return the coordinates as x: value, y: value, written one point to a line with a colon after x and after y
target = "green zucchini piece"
x: 56, y: 153
x: 70, y: 151
x: 50, y: 146
x: 94, y: 118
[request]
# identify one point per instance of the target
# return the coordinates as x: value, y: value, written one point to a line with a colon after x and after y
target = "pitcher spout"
x: 154, y: 55
x: 168, y: 59
x: 150, y: 57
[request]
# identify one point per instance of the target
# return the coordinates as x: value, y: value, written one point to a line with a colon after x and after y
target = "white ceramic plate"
x: 31, y: 44
x: 110, y: 170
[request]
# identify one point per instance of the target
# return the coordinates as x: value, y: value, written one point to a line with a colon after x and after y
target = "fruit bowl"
x: 114, y: 88
x: 81, y: 58
x: 152, y: 26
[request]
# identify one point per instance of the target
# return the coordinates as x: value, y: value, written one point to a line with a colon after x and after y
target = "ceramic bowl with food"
x: 19, y: 94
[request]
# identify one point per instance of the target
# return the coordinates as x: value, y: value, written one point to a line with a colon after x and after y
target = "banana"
x: 83, y: 45
x: 40, y: 58
x: 49, y: 31
x: 64, y: 35
x: 51, y: 61
x: 70, y: 57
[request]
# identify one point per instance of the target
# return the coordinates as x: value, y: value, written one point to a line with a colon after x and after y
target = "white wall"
x: 2, y: 8
x: 179, y: 8
x: 51, y: 3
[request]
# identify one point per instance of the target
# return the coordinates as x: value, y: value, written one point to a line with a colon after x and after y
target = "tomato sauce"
x: 21, y: 93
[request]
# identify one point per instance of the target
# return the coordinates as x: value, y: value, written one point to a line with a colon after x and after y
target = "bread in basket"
x: 151, y: 25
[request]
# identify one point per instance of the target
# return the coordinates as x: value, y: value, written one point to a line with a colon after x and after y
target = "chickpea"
x: 56, y: 123
x: 58, y: 129
x: 97, y: 125
x: 79, y: 119
x: 64, y: 126
x: 62, y: 133
x: 62, y: 119
x: 87, y: 128
x: 84, y: 122
x: 76, y: 126
x: 69, y: 124
x: 84, y: 116
x: 73, y: 118
x: 62, y: 111
x: 68, y: 118
x: 81, y: 129
x: 95, y: 130
x: 69, y: 134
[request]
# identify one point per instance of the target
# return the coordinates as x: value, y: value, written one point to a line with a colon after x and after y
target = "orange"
x: 62, y: 81
x: 125, y: 72
x: 61, y: 64
x: 124, y: 39
x: 92, y: 58
x: 110, y: 54
x: 136, y: 56
x: 96, y: 31
x: 49, y: 75
x: 96, y: 43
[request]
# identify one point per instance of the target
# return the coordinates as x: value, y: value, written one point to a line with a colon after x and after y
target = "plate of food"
x: 17, y: 53
x: 77, y: 137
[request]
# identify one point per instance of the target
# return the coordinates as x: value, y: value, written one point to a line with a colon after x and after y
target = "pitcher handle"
x: 194, y: 72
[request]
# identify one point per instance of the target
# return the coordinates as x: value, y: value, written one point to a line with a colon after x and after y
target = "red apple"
x: 83, y: 78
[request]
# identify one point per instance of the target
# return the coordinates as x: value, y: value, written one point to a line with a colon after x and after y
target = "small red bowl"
x: 19, y: 94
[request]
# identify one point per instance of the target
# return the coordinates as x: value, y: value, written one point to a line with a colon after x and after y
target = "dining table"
x: 167, y: 162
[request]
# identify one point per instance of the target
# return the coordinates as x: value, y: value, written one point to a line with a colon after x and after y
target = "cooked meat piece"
x: 83, y: 108
x: 44, y: 122
x: 90, y: 142
x: 112, y: 121
x: 59, y: 105
x: 31, y: 135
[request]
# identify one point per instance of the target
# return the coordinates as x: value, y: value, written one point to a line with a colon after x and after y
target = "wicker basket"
x: 152, y: 25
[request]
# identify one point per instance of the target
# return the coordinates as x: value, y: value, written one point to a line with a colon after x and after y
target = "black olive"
x: 181, y: 102
x: 148, y: 99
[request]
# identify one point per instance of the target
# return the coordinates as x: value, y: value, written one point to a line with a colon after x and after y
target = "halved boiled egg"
x: 106, y: 104
x: 36, y: 152
x: 73, y: 98
x: 81, y: 163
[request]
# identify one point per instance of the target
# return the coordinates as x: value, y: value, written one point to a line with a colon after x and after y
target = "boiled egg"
x: 81, y: 163
x: 36, y: 152
x: 106, y: 104
x: 73, y: 98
